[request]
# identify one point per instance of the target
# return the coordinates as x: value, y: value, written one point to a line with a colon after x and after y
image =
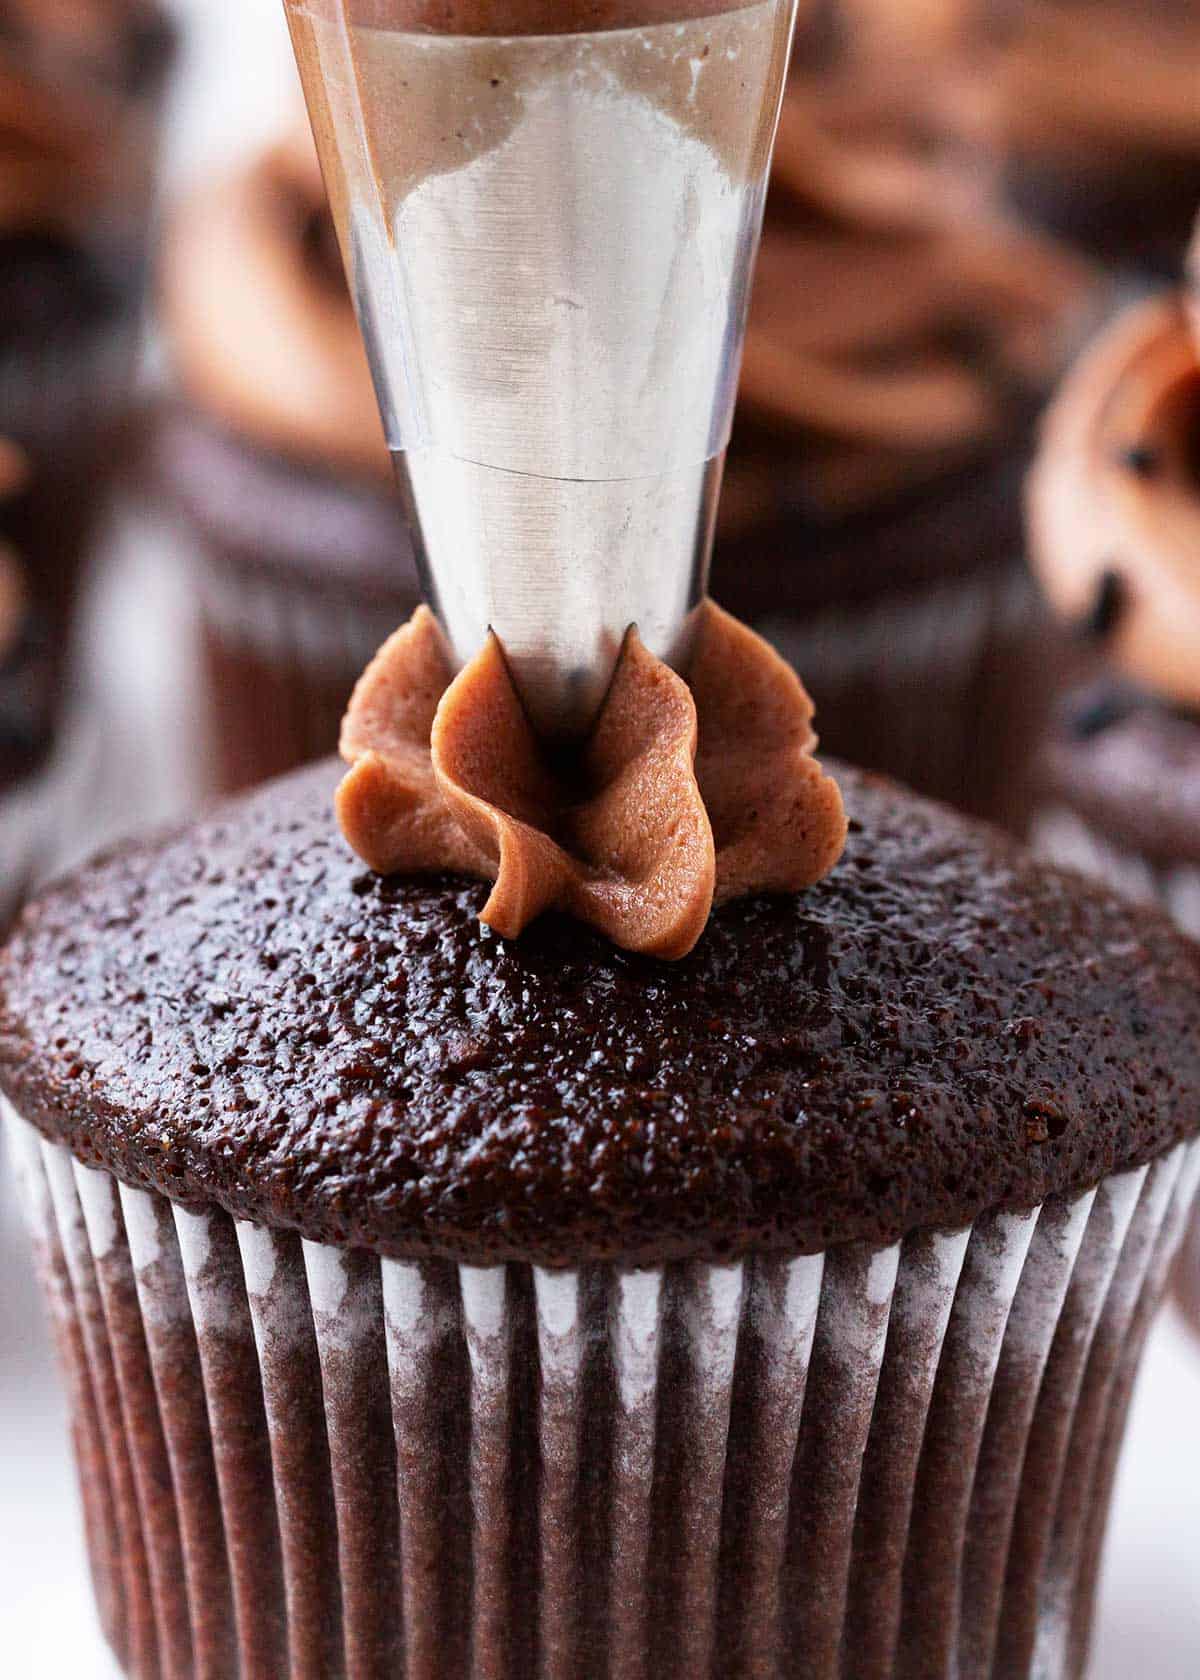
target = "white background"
x: 237, y: 86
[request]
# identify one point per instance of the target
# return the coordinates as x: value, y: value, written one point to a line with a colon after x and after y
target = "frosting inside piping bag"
x: 686, y: 794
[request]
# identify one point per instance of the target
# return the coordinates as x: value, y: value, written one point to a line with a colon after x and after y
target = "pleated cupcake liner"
x: 42, y: 815
x: 279, y: 660
x: 1095, y: 200
x: 305, y: 1462
x: 1062, y: 836
x: 945, y: 688
x: 67, y: 395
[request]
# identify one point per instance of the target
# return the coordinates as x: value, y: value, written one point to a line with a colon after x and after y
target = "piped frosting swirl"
x: 1114, y: 498
x: 1093, y: 79
x: 896, y: 328
x: 687, y: 793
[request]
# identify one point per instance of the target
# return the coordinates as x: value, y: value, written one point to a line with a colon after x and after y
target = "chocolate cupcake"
x: 432, y: 1302
x: 1095, y: 121
x: 1114, y: 532
x: 1114, y: 509
x: 272, y: 464
x: 899, y: 344
x: 82, y: 85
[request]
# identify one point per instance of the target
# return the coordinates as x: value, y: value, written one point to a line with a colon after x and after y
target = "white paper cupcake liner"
x: 298, y: 1461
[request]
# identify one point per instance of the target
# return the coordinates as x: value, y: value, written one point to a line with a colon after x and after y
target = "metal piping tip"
x: 550, y: 239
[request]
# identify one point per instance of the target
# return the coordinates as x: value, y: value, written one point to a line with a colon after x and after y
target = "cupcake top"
x: 241, y: 1013
x: 1114, y: 499
x: 896, y: 331
x: 262, y: 331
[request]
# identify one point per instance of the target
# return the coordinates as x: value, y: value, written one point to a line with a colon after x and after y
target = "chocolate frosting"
x: 896, y: 331
x: 262, y: 330
x: 687, y: 793
x: 921, y: 335
x: 1097, y: 79
x: 88, y: 37
x: 1114, y: 498
x: 71, y: 147
x: 525, y: 17
x: 242, y: 1014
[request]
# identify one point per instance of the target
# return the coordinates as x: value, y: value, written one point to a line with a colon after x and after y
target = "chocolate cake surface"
x: 242, y: 1014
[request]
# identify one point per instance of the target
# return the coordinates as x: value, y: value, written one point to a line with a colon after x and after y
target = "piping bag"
x: 548, y: 212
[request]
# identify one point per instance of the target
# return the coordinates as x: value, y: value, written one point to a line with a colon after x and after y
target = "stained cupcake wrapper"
x: 93, y: 368
x: 297, y: 1460
x: 26, y: 816
x: 943, y: 688
x: 1095, y: 198
x: 40, y: 813
x: 1062, y: 836
x: 281, y: 659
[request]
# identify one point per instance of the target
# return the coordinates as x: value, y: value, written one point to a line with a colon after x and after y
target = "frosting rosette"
x: 690, y: 790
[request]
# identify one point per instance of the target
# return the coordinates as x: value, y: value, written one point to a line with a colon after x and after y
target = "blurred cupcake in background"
x: 1095, y: 119
x: 271, y: 462
x: 1114, y: 524
x: 81, y: 83
x: 901, y: 340
x: 1114, y: 538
